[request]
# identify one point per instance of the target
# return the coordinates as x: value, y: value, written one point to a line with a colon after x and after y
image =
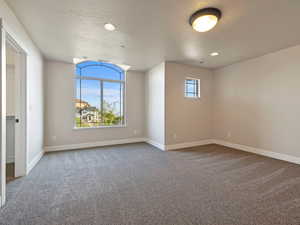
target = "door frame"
x: 21, y: 108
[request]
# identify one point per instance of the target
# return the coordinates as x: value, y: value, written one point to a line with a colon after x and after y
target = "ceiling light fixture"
x: 205, y: 19
x: 214, y: 54
x: 109, y: 27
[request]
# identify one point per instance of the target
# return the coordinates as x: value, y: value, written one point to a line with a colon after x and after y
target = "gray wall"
x: 187, y: 120
x: 59, y: 109
x: 155, y: 104
x: 257, y: 102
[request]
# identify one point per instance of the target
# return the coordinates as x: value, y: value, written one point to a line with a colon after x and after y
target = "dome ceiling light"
x: 205, y: 19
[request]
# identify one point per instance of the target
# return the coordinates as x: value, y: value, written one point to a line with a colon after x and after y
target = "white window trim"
x: 199, y: 88
x: 124, y: 125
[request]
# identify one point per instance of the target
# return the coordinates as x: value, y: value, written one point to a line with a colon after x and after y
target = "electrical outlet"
x: 54, y: 138
x: 174, y: 136
x: 135, y: 132
x: 228, y: 134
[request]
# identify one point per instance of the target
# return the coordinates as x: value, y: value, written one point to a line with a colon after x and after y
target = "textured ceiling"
x: 151, y: 31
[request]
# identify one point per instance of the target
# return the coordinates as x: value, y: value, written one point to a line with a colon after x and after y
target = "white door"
x: 20, y: 115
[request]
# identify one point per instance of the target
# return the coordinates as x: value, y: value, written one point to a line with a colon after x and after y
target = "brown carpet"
x: 137, y: 184
x: 10, y: 172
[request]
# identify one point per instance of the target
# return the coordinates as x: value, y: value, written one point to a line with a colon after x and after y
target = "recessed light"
x: 214, y: 54
x: 205, y: 19
x: 109, y: 26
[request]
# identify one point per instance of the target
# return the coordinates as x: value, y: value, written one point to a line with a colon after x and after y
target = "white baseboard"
x: 180, y: 145
x: 189, y: 144
x: 93, y: 144
x: 156, y: 144
x: 1, y: 203
x: 33, y: 162
x: 275, y: 155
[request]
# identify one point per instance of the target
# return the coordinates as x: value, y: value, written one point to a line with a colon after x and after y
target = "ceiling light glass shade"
x: 205, y: 23
x: 109, y: 27
x: 205, y: 19
x: 214, y: 54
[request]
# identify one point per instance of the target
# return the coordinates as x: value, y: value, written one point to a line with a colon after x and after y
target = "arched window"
x: 99, y: 95
x: 100, y: 70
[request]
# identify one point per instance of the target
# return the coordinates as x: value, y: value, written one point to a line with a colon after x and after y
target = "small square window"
x: 192, y: 88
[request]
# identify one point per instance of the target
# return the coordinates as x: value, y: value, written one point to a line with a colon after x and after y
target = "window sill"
x: 101, y: 127
x: 192, y: 97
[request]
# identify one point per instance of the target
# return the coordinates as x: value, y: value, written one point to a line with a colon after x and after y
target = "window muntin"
x: 192, y: 88
x: 99, y: 95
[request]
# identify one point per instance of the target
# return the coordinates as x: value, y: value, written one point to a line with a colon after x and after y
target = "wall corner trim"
x: 258, y: 151
x: 180, y: 145
x: 156, y: 144
x: 34, y: 162
x: 93, y: 144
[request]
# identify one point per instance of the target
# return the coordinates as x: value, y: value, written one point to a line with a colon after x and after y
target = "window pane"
x: 113, y: 103
x: 99, y: 70
x: 188, y: 94
x: 190, y: 81
x: 78, y: 104
x: 88, y: 107
x: 192, y: 88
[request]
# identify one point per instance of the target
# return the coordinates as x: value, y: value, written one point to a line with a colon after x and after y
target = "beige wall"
x: 10, y: 103
x: 10, y: 81
x: 59, y: 109
x: 155, y: 104
x: 187, y: 120
x: 257, y: 102
x: 253, y: 103
x: 10, y: 90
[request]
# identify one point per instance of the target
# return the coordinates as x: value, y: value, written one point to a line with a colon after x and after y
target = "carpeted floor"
x: 137, y: 184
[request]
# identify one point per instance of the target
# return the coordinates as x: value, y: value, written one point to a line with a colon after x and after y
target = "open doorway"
x: 11, y: 118
x: 15, y: 110
x: 13, y: 113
